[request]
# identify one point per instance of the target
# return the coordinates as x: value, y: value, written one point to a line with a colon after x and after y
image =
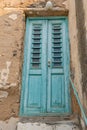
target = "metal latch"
x: 49, y: 63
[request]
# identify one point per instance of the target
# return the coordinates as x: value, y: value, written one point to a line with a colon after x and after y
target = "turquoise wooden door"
x: 45, y: 82
x: 58, y: 67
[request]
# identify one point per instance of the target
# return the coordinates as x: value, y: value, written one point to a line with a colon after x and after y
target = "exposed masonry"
x: 29, y: 3
x: 11, y: 44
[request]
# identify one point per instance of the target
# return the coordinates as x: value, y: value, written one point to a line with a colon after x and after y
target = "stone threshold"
x: 69, y: 122
x: 60, y: 125
x: 49, y: 119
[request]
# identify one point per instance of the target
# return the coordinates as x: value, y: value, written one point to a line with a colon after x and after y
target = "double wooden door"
x: 45, y: 78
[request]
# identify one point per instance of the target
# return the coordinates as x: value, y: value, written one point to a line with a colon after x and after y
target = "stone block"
x: 41, y: 126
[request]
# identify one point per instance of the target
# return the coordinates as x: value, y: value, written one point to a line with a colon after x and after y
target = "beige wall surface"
x: 85, y: 24
x: 81, y: 13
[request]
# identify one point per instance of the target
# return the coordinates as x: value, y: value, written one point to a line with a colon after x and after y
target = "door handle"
x: 49, y: 63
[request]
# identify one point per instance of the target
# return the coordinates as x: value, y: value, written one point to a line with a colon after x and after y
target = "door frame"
x: 25, y: 67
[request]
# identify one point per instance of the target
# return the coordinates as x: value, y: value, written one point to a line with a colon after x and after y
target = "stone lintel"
x: 43, y: 12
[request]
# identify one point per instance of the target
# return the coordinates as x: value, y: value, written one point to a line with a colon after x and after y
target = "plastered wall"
x: 82, y: 42
x: 85, y: 25
x: 75, y: 66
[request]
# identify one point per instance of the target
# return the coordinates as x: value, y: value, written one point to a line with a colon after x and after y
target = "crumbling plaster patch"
x: 9, y: 124
x: 11, y: 47
x: 3, y: 94
x: 13, y: 16
x: 9, y: 107
x: 5, y: 74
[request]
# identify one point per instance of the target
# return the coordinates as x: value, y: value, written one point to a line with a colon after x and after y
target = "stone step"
x: 60, y: 125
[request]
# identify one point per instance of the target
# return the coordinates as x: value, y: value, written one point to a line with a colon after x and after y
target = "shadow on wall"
x: 82, y: 47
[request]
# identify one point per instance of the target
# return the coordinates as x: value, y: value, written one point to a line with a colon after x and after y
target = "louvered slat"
x: 36, y: 46
x: 57, y: 45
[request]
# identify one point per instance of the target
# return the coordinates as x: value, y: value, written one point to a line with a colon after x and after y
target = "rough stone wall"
x: 28, y: 4
x: 12, y: 28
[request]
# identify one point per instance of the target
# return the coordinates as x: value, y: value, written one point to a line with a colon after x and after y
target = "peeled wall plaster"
x: 11, y: 47
x: 4, y: 75
x: 10, y: 124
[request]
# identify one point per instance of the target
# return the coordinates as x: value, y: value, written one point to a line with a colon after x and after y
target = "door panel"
x: 45, y: 86
x: 34, y: 90
x: 35, y: 75
x: 56, y: 89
